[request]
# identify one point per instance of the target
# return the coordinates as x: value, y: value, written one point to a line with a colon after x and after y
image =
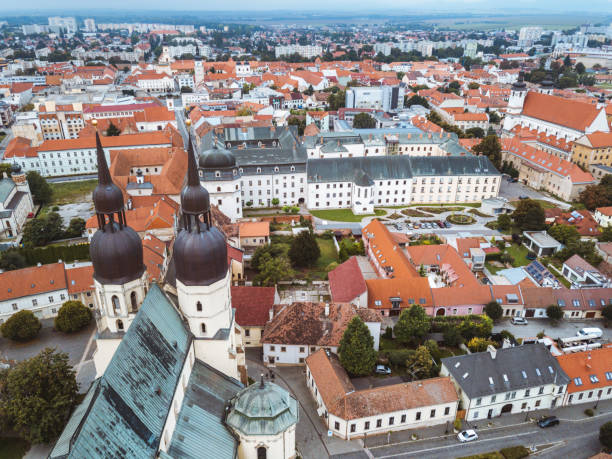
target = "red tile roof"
x: 557, y: 110
x: 32, y: 281
x: 346, y: 282
x: 80, y: 279
x: 584, y: 365
x: 253, y: 304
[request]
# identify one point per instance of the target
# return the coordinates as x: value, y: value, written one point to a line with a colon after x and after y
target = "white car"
x: 518, y: 321
x: 467, y: 435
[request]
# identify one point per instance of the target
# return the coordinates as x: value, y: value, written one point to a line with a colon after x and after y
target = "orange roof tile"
x: 32, y: 281
x: 557, y: 110
x: 80, y: 279
x: 254, y: 229
x: 584, y: 365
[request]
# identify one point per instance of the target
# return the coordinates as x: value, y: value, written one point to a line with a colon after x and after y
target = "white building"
x: 590, y: 376
x: 90, y: 25
x: 512, y: 380
x: 349, y: 413
x: 68, y: 24
x: 15, y: 203
x: 386, y: 98
x: 307, y: 51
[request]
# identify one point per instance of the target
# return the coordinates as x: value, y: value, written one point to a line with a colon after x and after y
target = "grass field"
x: 545, y: 204
x: 519, y: 253
x: 13, y: 447
x: 343, y: 215
x: 67, y: 192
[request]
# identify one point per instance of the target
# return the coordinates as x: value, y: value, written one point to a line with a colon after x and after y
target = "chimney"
x: 491, y: 350
x: 271, y: 314
x: 326, y: 309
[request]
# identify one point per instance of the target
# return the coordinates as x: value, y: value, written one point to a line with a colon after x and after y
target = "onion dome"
x: 200, y: 249
x: 107, y: 196
x: 115, y: 249
x: 262, y: 409
x: 116, y: 254
x: 217, y: 158
x: 194, y: 197
x: 519, y: 85
x: 15, y: 168
x: 547, y: 83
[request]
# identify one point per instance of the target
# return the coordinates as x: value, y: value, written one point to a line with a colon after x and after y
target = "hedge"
x: 51, y: 254
x: 515, y: 452
x: 491, y: 455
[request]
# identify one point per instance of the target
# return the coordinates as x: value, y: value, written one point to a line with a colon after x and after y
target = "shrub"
x: 494, y: 310
x: 21, y: 326
x: 452, y: 337
x: 55, y: 208
x: 554, y: 313
x: 540, y: 335
x: 72, y: 317
x: 388, y: 334
x: 514, y: 452
x: 605, y: 435
x: 457, y: 424
x: 398, y: 357
x: 477, y: 344
x: 589, y: 412
x: 506, y: 334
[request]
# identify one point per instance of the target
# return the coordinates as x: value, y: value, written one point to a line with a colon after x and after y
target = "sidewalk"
x: 565, y: 414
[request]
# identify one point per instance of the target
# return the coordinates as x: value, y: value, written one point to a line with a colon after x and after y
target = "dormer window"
x: 276, y: 169
x: 292, y: 168
x: 217, y: 174
x: 259, y: 170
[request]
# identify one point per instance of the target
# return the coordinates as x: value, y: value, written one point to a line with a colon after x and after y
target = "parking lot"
x: 564, y: 329
x: 514, y: 190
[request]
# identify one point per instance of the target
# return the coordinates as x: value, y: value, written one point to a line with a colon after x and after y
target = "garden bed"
x: 479, y: 213
x: 344, y: 215
x: 461, y: 219
x: 439, y: 210
x: 415, y: 213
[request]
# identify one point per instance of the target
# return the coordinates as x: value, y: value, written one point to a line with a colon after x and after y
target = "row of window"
x: 35, y: 301
x: 589, y: 395
x: 391, y: 420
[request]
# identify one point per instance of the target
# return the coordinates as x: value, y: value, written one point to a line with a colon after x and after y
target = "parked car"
x: 592, y: 332
x: 448, y: 224
x: 467, y: 435
x: 523, y: 197
x: 417, y: 225
x: 382, y: 370
x: 548, y: 421
x: 518, y: 321
x: 513, y: 180
x: 440, y: 224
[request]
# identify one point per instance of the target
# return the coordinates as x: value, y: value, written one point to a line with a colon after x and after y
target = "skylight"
x: 550, y: 369
x: 465, y: 375
x: 524, y: 374
x: 578, y: 381
x: 594, y: 379
x: 538, y: 372
x: 505, y: 377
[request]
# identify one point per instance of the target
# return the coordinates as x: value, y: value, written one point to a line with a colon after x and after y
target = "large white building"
x: 386, y: 98
x: 512, y: 380
x: 67, y: 24
x: 15, y: 203
x: 307, y: 51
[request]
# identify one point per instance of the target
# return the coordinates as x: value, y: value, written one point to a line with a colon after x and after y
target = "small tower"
x: 547, y: 86
x: 203, y: 279
x: 116, y: 254
x: 21, y: 182
x: 221, y: 177
x: 517, y: 96
x: 264, y: 417
x: 198, y: 72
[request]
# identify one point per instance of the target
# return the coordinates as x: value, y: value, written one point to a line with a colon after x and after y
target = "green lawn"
x: 67, y: 192
x: 343, y: 215
x: 545, y: 204
x: 328, y: 255
x: 13, y: 447
x: 519, y: 253
x: 492, y: 269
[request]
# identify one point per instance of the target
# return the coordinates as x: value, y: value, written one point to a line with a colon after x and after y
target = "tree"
x: 273, y: 270
x: 309, y: 91
x: 554, y: 313
x: 275, y: 201
x: 420, y: 363
x: 580, y: 68
x: 606, y: 312
x: 350, y: 247
x: 479, y: 344
x: 76, y: 227
x: 529, y: 215
x: 21, y: 326
x: 473, y: 85
x: 304, y: 250
x: 494, y: 118
x: 416, y: 100
x: 41, y: 191
x: 605, y: 235
x: 477, y: 132
x: 356, y: 350
x: 491, y: 148
x: 413, y: 325
x: 38, y: 395
x: 504, y: 222
x: 112, y: 130
x: 565, y: 234
x: 72, y: 317
x: 364, y: 121
x: 452, y: 336
x: 11, y: 260
x: 605, y: 435
x: 42, y: 230
x: 494, y: 310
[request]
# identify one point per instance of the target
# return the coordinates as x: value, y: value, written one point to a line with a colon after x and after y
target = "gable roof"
x: 558, y: 110
x: 585, y: 365
x: 252, y: 304
x: 518, y: 367
x: 128, y: 407
x: 346, y: 281
x: 32, y: 281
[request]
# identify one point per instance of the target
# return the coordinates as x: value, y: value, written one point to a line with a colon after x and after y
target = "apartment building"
x: 590, y: 376
x: 591, y: 149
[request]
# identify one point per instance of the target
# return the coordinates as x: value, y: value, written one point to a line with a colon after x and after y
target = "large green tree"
x: 41, y: 191
x: 72, y: 317
x: 21, y: 326
x: 420, y: 363
x: 605, y: 435
x: 565, y: 234
x: 364, y: 121
x: 529, y: 215
x: 12, y: 259
x: 356, y: 350
x: 38, y: 395
x: 304, y: 250
x: 272, y: 270
x: 554, y: 313
x: 504, y: 222
x: 42, y: 230
x: 413, y: 325
x: 491, y: 148
x: 494, y: 310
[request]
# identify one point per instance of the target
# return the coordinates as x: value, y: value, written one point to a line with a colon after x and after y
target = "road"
x: 72, y: 178
x: 575, y: 439
x: 563, y: 329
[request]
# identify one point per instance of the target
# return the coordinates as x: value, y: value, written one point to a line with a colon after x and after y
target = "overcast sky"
x: 407, y: 6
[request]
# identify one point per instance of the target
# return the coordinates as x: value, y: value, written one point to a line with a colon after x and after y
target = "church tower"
x: 203, y: 280
x: 518, y: 93
x: 116, y: 254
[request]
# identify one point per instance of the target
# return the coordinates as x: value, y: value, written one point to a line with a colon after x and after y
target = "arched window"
x: 134, y: 301
x: 262, y: 452
x: 218, y: 188
x: 203, y: 327
x: 119, y: 324
x: 199, y: 306
x: 116, y: 304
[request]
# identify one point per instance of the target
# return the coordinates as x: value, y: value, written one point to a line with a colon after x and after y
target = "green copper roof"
x: 6, y: 186
x: 263, y: 409
x: 127, y: 408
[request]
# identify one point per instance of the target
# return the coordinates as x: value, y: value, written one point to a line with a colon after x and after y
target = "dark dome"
x: 194, y: 199
x: 116, y: 255
x: 15, y: 168
x: 107, y: 198
x: 200, y: 258
x: 217, y: 158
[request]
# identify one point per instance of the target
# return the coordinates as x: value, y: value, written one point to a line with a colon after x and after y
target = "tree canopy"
x: 21, y: 326
x: 529, y: 215
x: 491, y: 148
x: 40, y: 189
x: 356, y: 350
x: 413, y: 325
x: 494, y: 310
x: 38, y: 395
x: 72, y: 317
x: 304, y: 250
x: 364, y: 121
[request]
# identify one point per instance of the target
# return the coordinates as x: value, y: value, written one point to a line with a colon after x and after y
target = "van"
x: 590, y: 332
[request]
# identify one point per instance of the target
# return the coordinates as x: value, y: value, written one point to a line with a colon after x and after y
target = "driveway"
x: 564, y: 329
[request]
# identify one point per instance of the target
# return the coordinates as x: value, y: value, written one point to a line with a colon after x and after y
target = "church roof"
x: 124, y: 412
x: 572, y: 114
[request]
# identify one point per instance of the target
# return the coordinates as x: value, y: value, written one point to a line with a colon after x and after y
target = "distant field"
x: 548, y: 21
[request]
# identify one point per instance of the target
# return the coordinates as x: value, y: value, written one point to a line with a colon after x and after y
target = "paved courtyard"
x: 563, y: 329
